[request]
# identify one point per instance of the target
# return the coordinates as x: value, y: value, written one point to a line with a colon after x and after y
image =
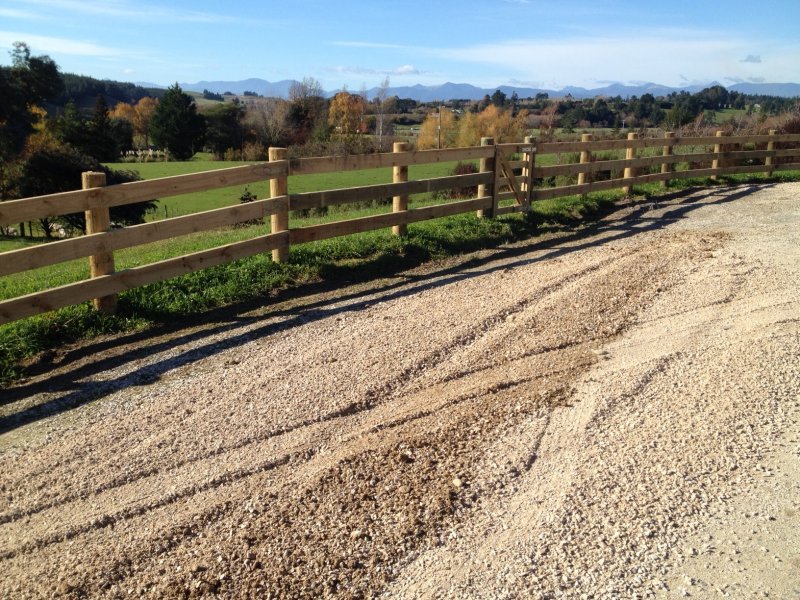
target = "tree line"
x: 48, y: 135
x: 672, y: 111
x: 43, y: 155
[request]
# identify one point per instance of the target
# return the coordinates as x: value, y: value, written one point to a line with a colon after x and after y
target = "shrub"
x: 471, y: 191
x: 254, y: 151
x: 246, y: 198
x: 459, y: 192
x: 231, y: 154
x: 54, y: 170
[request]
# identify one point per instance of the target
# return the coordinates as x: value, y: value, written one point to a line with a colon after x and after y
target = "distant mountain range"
x: 465, y: 91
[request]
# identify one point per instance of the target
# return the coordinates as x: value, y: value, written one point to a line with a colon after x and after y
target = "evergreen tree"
x: 122, y: 133
x: 72, y: 128
x: 176, y: 126
x: 499, y: 99
x: 102, y: 145
x: 224, y: 128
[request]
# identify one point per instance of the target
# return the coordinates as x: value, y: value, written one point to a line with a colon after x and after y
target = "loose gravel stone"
x: 571, y: 417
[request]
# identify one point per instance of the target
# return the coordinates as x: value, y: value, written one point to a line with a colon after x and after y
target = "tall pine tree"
x: 103, y: 146
x: 176, y: 126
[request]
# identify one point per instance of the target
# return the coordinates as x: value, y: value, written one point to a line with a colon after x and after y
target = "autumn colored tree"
x: 501, y: 125
x: 469, y: 130
x: 143, y: 115
x: 346, y: 114
x: 438, y: 130
x: 123, y: 110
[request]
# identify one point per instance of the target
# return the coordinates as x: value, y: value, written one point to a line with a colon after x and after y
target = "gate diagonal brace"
x: 508, y: 173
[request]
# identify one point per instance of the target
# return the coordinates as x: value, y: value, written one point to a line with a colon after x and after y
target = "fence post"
x: 630, y: 154
x: 717, y: 162
x: 667, y: 167
x: 487, y: 190
x: 527, y: 170
x: 400, y: 175
x: 586, y: 157
x: 770, y: 148
x: 279, y: 186
x: 98, y: 220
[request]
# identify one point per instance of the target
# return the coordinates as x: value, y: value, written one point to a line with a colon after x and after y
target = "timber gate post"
x: 529, y: 158
x: 630, y: 154
x: 98, y: 220
x: 487, y: 190
x: 667, y: 151
x: 400, y: 175
x: 586, y: 157
x: 279, y: 186
x: 768, y: 162
x: 717, y: 163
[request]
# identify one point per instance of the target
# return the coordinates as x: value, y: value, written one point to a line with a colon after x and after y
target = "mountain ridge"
x: 466, y: 91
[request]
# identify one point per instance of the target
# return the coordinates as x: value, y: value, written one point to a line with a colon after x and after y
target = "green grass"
x: 345, y: 258
x: 721, y: 117
x: 190, y: 203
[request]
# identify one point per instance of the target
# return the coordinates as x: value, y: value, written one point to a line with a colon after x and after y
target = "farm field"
x: 36, y: 279
x: 611, y: 412
x: 181, y: 205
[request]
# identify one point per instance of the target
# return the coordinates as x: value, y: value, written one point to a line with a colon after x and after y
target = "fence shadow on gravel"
x: 70, y: 392
x: 511, y: 178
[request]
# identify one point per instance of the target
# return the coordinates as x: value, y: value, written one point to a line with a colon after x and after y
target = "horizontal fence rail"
x: 508, y: 172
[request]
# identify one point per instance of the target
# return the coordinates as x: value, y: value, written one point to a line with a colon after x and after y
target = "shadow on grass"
x: 195, y: 337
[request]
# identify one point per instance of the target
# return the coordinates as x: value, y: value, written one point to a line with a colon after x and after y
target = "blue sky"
x: 549, y: 44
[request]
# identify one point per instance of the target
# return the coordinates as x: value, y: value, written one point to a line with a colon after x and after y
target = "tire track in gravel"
x: 161, y: 476
x: 669, y: 425
x: 371, y: 396
x: 229, y: 474
x: 445, y: 427
x: 440, y: 510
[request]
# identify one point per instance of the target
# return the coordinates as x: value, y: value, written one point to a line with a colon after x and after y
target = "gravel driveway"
x: 610, y: 413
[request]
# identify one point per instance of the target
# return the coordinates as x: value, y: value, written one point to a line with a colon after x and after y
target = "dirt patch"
x: 551, y: 419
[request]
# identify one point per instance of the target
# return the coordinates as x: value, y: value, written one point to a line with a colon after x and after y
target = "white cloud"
x: 405, y: 70
x: 399, y: 71
x: 752, y: 58
x: 54, y: 45
x: 10, y: 13
x: 354, y: 44
x: 665, y: 56
x: 136, y: 11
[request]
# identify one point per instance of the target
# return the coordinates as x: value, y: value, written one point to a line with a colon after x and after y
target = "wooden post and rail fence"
x: 508, y: 181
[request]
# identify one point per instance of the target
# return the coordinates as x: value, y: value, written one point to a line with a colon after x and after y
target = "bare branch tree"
x: 380, y: 111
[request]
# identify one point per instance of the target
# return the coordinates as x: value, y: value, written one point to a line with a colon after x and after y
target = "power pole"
x: 439, y: 129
